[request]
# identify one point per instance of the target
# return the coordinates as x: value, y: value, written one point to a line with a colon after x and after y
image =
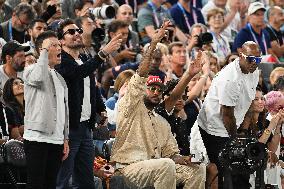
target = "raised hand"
x: 195, y: 66
x: 160, y: 33
x: 113, y: 45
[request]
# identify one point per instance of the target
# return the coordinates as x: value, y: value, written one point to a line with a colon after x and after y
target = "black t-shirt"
x: 178, y: 128
x: 16, y: 35
x: 275, y: 35
x: 14, y: 118
x: 192, y: 112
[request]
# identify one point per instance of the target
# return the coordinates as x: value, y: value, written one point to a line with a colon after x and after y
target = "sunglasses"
x: 73, y: 31
x: 256, y: 59
x: 153, y: 89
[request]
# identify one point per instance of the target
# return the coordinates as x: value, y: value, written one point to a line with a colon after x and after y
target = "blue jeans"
x: 79, y: 163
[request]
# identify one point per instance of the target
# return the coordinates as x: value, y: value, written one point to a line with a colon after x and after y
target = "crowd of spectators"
x: 127, y: 93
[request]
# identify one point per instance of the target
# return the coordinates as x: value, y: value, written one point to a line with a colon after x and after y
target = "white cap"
x: 253, y: 7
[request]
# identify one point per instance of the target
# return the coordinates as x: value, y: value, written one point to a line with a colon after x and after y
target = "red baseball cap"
x: 155, y: 80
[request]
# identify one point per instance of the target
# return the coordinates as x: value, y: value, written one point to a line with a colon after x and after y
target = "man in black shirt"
x: 276, y: 21
x: 14, y: 29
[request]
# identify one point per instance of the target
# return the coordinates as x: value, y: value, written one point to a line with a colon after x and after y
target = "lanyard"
x: 135, y: 5
x: 275, y: 35
x: 255, y: 39
x: 220, y: 45
x: 186, y: 17
x: 155, y: 13
x: 194, y: 3
x: 10, y: 30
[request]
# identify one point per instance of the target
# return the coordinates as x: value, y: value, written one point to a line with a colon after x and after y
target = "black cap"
x: 11, y: 47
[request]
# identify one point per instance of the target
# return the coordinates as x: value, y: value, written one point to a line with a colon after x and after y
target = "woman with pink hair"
x: 274, y: 103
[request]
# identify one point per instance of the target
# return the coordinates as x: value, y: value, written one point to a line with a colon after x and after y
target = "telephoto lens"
x: 104, y: 12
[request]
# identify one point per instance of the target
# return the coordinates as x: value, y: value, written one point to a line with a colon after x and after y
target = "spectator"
x: 151, y: 17
x: 111, y: 103
x: 230, y: 58
x: 279, y: 84
x: 215, y: 20
x: 81, y: 7
x: 126, y: 52
x: 235, y: 15
x: 125, y: 13
x: 13, y: 58
x: 275, y: 22
x: 177, y: 59
x: 15, y: 28
x: 226, y: 104
x: 36, y: 27
x: 185, y: 15
x: 57, y: 15
x: 88, y: 25
x: 253, y: 30
x: 145, y: 151
x: 13, y: 96
x: 134, y: 4
x: 193, y: 45
x: 84, y: 101
x: 275, y: 74
x: 214, y: 63
x: 274, y: 101
x: 6, y: 11
x: 46, y: 115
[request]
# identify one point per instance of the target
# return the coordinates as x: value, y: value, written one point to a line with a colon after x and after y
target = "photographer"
x: 126, y: 53
x: 227, y: 102
x: 54, y: 9
x: 195, y: 41
x: 125, y: 13
x: 82, y: 7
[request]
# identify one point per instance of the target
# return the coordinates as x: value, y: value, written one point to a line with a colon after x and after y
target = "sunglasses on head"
x: 256, y: 59
x: 73, y: 31
x: 153, y: 89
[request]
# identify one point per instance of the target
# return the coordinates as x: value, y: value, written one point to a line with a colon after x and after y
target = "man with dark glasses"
x: 226, y: 103
x: 84, y: 101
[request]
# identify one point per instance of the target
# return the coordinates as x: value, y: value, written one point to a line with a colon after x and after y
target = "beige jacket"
x: 141, y: 134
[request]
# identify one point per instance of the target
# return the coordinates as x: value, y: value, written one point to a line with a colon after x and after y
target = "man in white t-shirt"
x: 227, y: 101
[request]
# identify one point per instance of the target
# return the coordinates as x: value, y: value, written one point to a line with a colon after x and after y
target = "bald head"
x: 125, y: 13
x: 249, y: 46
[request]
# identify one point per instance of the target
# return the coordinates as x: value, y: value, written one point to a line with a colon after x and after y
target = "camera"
x: 243, y: 155
x: 98, y: 36
x: 104, y: 12
x: 204, y: 39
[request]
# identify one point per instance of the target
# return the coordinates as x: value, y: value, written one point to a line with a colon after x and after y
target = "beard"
x: 18, y: 67
x: 75, y: 46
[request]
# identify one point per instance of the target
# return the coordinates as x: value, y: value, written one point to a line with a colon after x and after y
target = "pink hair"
x: 271, y: 99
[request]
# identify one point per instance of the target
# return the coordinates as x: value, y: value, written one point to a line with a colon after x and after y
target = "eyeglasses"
x: 73, y: 31
x: 256, y: 59
x: 155, y: 89
x: 23, y: 23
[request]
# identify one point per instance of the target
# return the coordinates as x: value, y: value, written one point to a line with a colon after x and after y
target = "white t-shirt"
x: 86, y: 108
x: 230, y: 87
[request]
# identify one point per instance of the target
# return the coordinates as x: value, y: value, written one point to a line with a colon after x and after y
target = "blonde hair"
x: 213, y: 12
x: 162, y: 47
x: 122, y: 78
x: 272, y: 78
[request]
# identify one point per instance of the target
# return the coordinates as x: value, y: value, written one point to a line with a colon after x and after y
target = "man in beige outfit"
x: 145, y: 151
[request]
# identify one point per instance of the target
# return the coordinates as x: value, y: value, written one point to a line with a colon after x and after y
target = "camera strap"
x: 186, y: 17
x: 255, y: 39
x: 153, y: 7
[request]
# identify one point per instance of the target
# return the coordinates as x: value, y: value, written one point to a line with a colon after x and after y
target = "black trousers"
x: 214, y: 145
x: 43, y: 163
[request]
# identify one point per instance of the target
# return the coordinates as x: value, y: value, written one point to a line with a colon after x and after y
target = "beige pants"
x: 164, y: 173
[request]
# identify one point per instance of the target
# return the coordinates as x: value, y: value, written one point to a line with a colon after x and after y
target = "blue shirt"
x: 179, y: 18
x: 199, y: 3
x: 245, y: 35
